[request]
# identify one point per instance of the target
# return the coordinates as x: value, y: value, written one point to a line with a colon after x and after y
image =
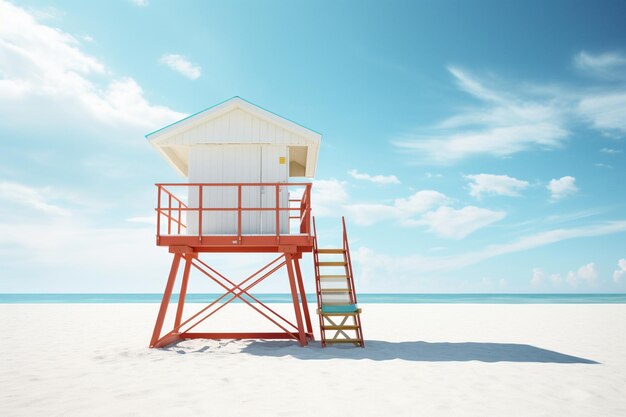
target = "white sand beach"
x: 430, y: 360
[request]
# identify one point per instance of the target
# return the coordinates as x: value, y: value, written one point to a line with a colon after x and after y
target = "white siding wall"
x: 236, y: 126
x: 237, y: 163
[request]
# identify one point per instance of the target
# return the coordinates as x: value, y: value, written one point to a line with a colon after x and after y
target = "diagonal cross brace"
x: 241, y: 292
x: 237, y: 291
x: 225, y: 294
x: 338, y: 332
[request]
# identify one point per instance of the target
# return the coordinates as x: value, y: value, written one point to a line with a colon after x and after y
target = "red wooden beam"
x: 294, y: 297
x: 239, y: 335
x: 168, y: 339
x: 183, y: 293
x: 166, y: 299
x: 305, y: 306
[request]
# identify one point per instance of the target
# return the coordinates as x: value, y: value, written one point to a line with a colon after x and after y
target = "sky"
x: 472, y: 146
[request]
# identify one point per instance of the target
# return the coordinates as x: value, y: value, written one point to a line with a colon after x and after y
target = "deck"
x: 284, y: 223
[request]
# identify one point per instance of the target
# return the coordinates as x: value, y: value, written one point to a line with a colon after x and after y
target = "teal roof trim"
x: 219, y: 104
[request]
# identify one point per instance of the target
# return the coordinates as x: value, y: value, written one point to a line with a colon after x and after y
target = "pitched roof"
x: 173, y: 141
x: 226, y: 105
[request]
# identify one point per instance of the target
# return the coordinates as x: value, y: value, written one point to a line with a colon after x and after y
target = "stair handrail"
x: 346, y: 249
x: 316, y: 264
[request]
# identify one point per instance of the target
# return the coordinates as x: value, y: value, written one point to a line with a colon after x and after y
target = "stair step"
x: 339, y: 288
x: 337, y: 303
x: 332, y: 264
x: 333, y: 276
x: 330, y: 251
x: 344, y: 327
x: 335, y: 291
x: 352, y: 313
x: 355, y: 341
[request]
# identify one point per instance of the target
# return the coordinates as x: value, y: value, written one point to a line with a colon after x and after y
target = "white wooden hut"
x: 237, y: 142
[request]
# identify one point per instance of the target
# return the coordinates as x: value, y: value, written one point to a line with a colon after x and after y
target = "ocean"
x: 362, y: 298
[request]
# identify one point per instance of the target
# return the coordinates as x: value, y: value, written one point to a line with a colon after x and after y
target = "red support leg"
x: 294, y: 295
x: 166, y: 299
x: 183, y: 293
x: 305, y: 306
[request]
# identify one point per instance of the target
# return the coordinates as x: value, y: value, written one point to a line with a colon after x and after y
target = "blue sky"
x: 473, y: 147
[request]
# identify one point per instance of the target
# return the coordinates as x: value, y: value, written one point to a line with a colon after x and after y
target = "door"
x: 274, y: 169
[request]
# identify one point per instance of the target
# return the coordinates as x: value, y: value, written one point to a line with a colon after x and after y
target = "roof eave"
x: 224, y: 106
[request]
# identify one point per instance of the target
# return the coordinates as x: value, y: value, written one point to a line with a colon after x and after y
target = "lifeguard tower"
x: 238, y: 158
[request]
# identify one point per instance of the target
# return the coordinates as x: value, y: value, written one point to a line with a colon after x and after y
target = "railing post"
x: 169, y: 214
x: 180, y: 206
x: 307, y: 209
x: 277, y: 212
x: 158, y: 227
x: 239, y: 213
x: 200, y: 212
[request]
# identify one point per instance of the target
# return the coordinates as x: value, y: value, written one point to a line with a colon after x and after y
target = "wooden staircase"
x: 337, y: 308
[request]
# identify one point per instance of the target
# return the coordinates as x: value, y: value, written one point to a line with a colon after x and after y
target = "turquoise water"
x: 363, y: 298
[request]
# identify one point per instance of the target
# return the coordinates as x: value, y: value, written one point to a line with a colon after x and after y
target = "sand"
x: 430, y: 360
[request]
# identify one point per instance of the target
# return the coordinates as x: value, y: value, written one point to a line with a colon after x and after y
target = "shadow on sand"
x: 377, y: 350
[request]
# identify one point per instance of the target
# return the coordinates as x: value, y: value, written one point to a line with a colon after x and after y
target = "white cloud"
x: 46, y: 78
x: 377, y: 179
x: 549, y: 237
x: 608, y: 65
x: 330, y: 198
x: 449, y: 223
x: 495, y: 184
x: 603, y: 165
x: 496, y: 141
x: 509, y: 119
x: 620, y: 273
x: 585, y: 277
x: 417, y: 264
x: 181, y: 65
x: 431, y: 175
x: 556, y: 280
x: 26, y: 197
x: 327, y: 196
x: 73, y: 246
x: 472, y: 86
x: 503, y: 126
x: 142, y: 219
x: 139, y: 3
x: 368, y: 214
x: 386, y: 272
x: 46, y: 13
x: 401, y: 210
x: 605, y: 111
x: 538, y: 278
x: 421, y: 201
x: 611, y: 151
x: 562, y: 187
x: 425, y: 208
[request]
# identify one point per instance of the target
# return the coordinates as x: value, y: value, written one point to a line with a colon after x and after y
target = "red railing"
x: 174, y: 215
x: 346, y: 250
